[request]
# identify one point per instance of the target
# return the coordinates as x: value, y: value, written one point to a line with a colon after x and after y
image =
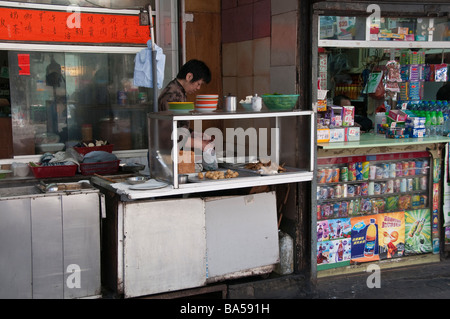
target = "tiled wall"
x: 259, y: 39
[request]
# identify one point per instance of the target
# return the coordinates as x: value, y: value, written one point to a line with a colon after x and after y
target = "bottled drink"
x: 433, y: 123
x: 440, y: 124
x: 371, y: 239
x: 428, y: 124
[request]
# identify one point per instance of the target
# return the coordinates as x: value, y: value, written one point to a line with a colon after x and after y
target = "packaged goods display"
x: 374, y: 207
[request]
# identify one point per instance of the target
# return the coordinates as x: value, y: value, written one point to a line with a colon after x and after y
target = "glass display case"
x: 250, y: 149
x: 374, y: 30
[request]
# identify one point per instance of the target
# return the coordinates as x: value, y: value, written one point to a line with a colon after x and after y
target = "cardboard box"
x: 352, y: 134
x: 337, y: 135
x: 397, y: 115
x: 323, y: 135
x: 348, y: 115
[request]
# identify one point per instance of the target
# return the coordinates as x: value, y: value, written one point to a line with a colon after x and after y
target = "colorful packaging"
x: 344, y: 174
x: 391, y: 235
x: 333, y: 252
x: 348, y: 115
x: 359, y: 171
x: 322, y: 230
x: 365, y: 170
x: 417, y: 232
x: 321, y: 176
x: 335, y: 175
x: 364, y: 239
x: 391, y: 203
x: 351, y: 172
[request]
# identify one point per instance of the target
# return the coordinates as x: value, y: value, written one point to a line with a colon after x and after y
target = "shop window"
x: 52, y: 95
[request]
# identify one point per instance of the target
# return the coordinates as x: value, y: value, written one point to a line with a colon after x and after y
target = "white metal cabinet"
x: 15, y: 249
x: 241, y: 235
x: 50, y: 246
x: 164, y: 246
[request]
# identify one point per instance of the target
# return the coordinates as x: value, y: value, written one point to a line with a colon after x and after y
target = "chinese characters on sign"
x: 57, y: 26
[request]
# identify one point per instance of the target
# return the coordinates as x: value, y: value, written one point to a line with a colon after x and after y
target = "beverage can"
x: 412, y: 168
x: 377, y: 189
x: 405, y: 168
x: 419, y: 165
x: 356, y: 206
x: 336, y: 208
x: 359, y: 171
x: 399, y: 167
x: 337, y: 191
x: 358, y: 190
x: 321, y: 176
x: 416, y: 186
x: 371, y: 189
x: 344, y: 190
x: 385, y: 167
x: 390, y: 186
x: 397, y: 183
x: 410, y: 184
x: 423, y: 183
x: 344, y: 174
x: 364, y: 189
x: 392, y: 170
x: 328, y: 175
x: 383, y: 188
x: 372, y: 172
x: 350, y: 190
x: 365, y: 170
x: 331, y: 192
x: 335, y: 175
x: 425, y: 167
x: 379, y: 172
x: 351, y: 205
x: 343, y: 209
x: 351, y: 172
x: 403, y: 186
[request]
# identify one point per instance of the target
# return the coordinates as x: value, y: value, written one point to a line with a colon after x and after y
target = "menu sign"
x: 71, y: 27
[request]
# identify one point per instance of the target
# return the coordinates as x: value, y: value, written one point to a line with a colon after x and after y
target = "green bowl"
x: 181, y: 106
x: 277, y: 102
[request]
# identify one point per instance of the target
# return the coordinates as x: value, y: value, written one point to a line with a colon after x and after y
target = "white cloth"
x: 143, y: 67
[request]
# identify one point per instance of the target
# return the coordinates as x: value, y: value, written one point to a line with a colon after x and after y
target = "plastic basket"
x: 99, y: 167
x: 84, y: 150
x: 53, y: 171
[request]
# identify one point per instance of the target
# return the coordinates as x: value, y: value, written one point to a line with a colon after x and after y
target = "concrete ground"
x: 427, y: 281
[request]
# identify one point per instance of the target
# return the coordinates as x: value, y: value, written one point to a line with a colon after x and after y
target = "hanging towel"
x: 143, y: 69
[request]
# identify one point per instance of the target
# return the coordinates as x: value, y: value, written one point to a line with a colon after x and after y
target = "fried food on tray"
x: 258, y: 165
x: 219, y: 174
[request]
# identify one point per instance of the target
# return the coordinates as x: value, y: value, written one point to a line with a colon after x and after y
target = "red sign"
x: 71, y: 27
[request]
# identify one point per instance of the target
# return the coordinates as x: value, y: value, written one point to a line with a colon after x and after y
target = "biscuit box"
x: 323, y: 135
x: 352, y: 134
x: 348, y: 115
x: 337, y: 135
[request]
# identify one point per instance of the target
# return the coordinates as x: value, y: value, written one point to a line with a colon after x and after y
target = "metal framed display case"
x: 243, y: 137
x: 362, y: 31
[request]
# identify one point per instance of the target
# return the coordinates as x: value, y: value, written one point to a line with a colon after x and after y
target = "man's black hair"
x: 338, y: 98
x: 199, y: 70
x: 443, y: 94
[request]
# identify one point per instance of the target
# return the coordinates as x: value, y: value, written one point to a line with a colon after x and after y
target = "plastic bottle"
x: 433, y: 123
x: 371, y: 239
x: 427, y: 124
x: 440, y: 124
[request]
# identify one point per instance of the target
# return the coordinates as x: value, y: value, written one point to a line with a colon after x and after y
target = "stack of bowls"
x: 206, y: 102
x: 181, y: 107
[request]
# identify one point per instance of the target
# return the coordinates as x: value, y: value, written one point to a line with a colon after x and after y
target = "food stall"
x: 379, y: 193
x: 163, y: 235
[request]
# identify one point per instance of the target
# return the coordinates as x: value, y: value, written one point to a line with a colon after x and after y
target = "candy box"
x: 352, y: 133
x: 337, y: 135
x: 416, y: 132
x: 323, y: 135
x: 348, y: 115
x: 397, y: 115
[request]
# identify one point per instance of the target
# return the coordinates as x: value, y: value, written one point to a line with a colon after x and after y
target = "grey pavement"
x: 426, y: 281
